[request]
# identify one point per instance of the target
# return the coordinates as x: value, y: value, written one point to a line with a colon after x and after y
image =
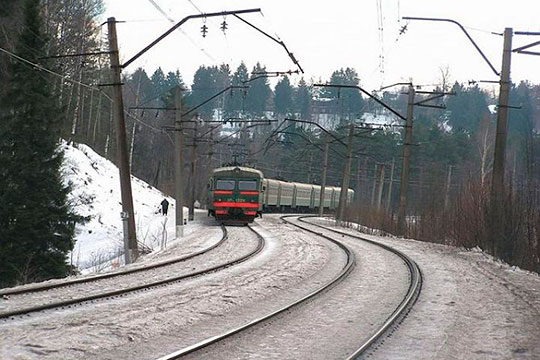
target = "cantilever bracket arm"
x: 319, y: 126
x: 213, y: 97
x: 377, y: 100
x: 180, y: 23
x: 466, y: 34
x: 521, y: 50
x: 438, y: 96
x: 293, y: 59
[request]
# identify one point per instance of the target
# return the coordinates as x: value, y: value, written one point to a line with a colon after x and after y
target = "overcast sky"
x: 328, y: 35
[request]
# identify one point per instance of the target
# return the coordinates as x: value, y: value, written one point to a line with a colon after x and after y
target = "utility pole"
x: 310, y: 168
x: 390, y: 184
x: 178, y: 163
x: 448, y: 182
x: 381, y: 187
x: 192, y: 182
x: 130, y: 239
x: 374, y: 186
x: 502, y: 118
x: 497, y: 185
x: 403, y: 188
x: 346, y: 174
x: 323, y: 176
x: 128, y: 215
x: 358, y: 184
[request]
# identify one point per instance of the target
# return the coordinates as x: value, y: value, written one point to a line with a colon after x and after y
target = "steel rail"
x: 413, y: 292
x: 214, y: 339
x: 45, y: 287
x: 109, y: 294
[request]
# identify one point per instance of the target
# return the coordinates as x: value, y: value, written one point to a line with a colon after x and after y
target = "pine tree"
x: 258, y: 93
x: 467, y: 108
x: 302, y: 100
x: 159, y: 83
x: 283, y: 100
x: 235, y: 100
x: 203, y: 88
x: 36, y: 222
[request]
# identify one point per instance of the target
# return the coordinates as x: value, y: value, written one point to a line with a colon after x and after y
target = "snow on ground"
x: 142, y: 325
x: 96, y: 193
x: 470, y: 307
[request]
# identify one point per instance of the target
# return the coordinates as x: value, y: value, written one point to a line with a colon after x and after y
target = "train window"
x: 225, y: 185
x: 247, y: 185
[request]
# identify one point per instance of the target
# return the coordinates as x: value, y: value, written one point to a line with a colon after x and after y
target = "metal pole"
x: 403, y: 188
x: 323, y: 176
x: 123, y: 161
x: 346, y: 174
x: 179, y: 163
x: 497, y: 186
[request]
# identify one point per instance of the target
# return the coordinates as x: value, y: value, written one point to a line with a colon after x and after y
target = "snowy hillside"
x: 96, y: 193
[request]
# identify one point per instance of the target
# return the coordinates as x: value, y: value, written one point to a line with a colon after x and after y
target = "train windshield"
x: 247, y: 185
x: 225, y: 185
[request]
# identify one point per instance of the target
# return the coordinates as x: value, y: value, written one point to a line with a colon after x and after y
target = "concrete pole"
x: 500, y: 247
x: 192, y: 180
x: 390, y: 184
x: 497, y: 186
x: 381, y: 187
x: 374, y: 186
x: 323, y: 176
x: 310, y: 168
x: 358, y: 190
x: 128, y: 214
x: 448, y: 182
x: 178, y: 164
x: 346, y: 174
x: 403, y: 188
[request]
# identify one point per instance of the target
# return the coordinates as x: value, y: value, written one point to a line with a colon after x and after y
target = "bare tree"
x: 484, y: 144
x: 445, y: 78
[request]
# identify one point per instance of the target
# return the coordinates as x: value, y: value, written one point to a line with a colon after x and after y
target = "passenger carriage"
x: 238, y: 194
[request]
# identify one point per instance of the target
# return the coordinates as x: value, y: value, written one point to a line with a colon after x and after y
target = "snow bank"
x: 96, y: 193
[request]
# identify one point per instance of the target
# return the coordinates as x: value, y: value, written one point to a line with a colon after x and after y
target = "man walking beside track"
x: 164, y: 207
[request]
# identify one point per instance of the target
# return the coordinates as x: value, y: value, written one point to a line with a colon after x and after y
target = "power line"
x: 158, y: 8
x: 39, y: 67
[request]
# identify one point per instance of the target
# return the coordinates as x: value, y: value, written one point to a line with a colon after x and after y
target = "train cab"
x: 235, y: 194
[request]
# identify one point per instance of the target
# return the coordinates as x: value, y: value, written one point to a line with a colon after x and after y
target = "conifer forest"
x: 265, y: 122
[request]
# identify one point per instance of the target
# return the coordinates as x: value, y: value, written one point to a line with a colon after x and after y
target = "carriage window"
x: 247, y: 185
x: 225, y: 185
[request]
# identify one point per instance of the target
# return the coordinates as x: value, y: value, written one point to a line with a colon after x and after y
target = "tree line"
x: 451, y: 162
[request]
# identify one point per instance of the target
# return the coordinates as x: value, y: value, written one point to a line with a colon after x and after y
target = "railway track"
x: 415, y: 286
x: 395, y: 317
x: 346, y: 269
x: 46, y: 287
x: 142, y: 287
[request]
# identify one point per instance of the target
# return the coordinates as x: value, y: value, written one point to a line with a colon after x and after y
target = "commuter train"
x: 239, y: 194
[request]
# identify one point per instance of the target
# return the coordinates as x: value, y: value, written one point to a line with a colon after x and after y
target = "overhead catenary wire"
x: 170, y: 19
x: 41, y: 68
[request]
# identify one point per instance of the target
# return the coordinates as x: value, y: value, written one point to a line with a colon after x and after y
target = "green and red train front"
x: 236, y: 199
